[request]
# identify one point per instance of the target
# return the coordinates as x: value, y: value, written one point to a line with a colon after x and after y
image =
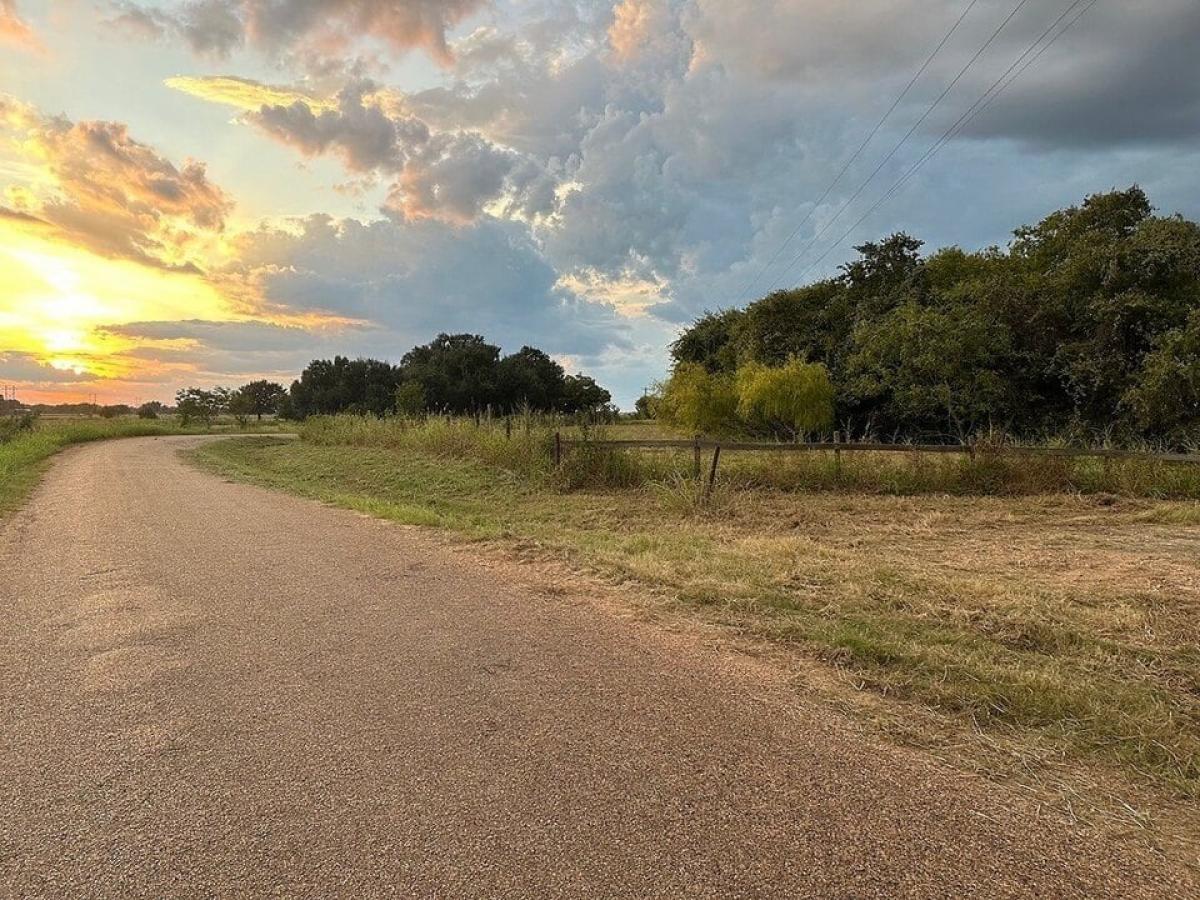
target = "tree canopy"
x: 460, y: 374
x: 1087, y: 321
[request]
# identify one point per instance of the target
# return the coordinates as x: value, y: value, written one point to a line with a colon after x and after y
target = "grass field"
x: 24, y: 455
x: 1065, y: 624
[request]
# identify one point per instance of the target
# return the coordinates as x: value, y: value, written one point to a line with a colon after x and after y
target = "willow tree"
x: 789, y: 400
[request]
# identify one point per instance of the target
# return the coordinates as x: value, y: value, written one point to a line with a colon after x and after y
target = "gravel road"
x: 212, y: 690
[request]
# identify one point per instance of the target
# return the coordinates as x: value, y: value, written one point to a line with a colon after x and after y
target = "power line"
x: 857, y: 153
x: 986, y: 99
x: 904, y: 140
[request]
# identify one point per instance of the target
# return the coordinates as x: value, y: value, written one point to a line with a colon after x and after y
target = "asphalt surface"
x: 212, y: 690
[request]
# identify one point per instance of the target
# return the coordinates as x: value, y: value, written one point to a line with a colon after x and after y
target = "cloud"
x: 451, y: 178
x: 635, y: 23
x: 246, y: 93
x: 115, y: 195
x: 27, y: 368
x: 1093, y: 90
x: 412, y: 279
x: 362, y: 135
x: 315, y: 31
x: 209, y: 27
x: 14, y: 30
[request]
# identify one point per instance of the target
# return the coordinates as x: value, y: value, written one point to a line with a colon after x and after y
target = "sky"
x: 206, y: 192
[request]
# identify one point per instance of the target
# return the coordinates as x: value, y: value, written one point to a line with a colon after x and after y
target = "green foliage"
x: 788, y: 400
x: 784, y: 401
x: 258, y: 399
x: 932, y: 367
x: 410, y: 399
x: 646, y: 406
x: 364, y: 386
x: 13, y: 426
x: 1081, y: 323
x: 454, y: 374
x: 698, y: 401
x: 581, y: 394
x: 199, y: 405
x: 1166, y: 398
x: 151, y: 410
x: 711, y: 342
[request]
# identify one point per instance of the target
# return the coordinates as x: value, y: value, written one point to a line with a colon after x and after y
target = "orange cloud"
x: 633, y: 23
x: 113, y: 194
x: 13, y: 29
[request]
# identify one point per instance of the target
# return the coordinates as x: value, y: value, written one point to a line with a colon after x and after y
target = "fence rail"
x: 563, y: 444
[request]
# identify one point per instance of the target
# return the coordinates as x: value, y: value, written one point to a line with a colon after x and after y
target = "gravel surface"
x: 214, y: 690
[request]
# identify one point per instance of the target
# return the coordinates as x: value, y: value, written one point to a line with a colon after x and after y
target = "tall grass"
x: 525, y: 446
x: 27, y: 444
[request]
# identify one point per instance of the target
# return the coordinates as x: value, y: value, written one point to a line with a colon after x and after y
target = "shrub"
x: 698, y: 401
x: 786, y: 400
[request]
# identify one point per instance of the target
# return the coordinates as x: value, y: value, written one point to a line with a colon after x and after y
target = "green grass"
x: 24, y: 455
x: 527, y: 449
x: 1042, y: 618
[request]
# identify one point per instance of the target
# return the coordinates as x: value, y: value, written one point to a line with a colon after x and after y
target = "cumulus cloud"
x: 115, y: 195
x: 209, y: 27
x: 451, y: 178
x: 414, y: 279
x: 315, y: 30
x: 361, y: 134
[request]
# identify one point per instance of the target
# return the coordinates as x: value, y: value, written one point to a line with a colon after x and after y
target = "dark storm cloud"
x: 1127, y: 73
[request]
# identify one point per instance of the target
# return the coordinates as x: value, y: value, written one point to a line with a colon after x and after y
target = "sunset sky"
x: 209, y: 191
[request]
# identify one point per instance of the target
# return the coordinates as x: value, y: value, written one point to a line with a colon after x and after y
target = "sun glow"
x: 57, y: 302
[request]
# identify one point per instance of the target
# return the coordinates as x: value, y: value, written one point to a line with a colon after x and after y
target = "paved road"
x: 213, y: 690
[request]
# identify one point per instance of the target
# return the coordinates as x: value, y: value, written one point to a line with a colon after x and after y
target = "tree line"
x: 454, y: 374
x: 1087, y: 323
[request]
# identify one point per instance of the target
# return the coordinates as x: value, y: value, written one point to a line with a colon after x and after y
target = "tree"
x: 647, y: 405
x: 151, y: 410
x: 198, y: 405
x: 457, y: 371
x: 258, y: 398
x: 711, y: 341
x: 1060, y: 330
x: 931, y: 371
x: 326, y: 387
x: 410, y: 399
x: 1166, y: 397
x: 699, y: 401
x: 581, y: 394
x: 529, y: 378
x: 786, y: 400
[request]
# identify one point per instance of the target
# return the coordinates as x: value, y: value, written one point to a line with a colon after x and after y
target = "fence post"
x: 508, y: 428
x: 712, y: 472
x: 557, y: 449
x: 837, y: 450
x: 971, y: 447
x: 696, y: 457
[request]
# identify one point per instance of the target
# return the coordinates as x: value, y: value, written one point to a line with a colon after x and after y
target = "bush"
x: 12, y: 427
x: 786, y: 400
x: 698, y: 401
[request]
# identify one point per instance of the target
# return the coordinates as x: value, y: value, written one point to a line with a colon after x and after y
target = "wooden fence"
x: 838, y: 447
